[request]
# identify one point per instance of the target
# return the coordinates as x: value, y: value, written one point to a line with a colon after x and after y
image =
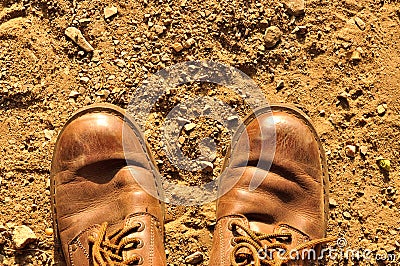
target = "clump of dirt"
x: 339, y: 60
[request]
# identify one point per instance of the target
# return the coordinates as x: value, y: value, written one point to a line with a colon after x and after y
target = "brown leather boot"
x: 287, y: 212
x: 101, y: 214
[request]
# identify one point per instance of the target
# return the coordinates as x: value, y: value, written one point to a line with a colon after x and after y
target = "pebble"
x: 189, y: 42
x: 347, y: 215
x: 158, y: 29
x: 194, y: 258
x: 84, y: 79
x: 120, y: 62
x: 300, y: 30
x: 84, y: 21
x: 383, y: 163
x: 22, y: 236
x: 74, y: 94
x: 280, y: 85
x: 360, y: 23
x: 190, y: 126
x: 96, y: 56
x: 165, y: 58
x: 207, y: 166
x: 356, y: 55
x: 177, y: 47
x: 350, y: 150
x: 272, y: 36
x: 182, y: 120
x: 110, y: 11
x: 76, y: 36
x: 181, y: 139
x: 363, y: 150
x: 2, y: 228
x: 233, y: 119
x: 48, y: 134
x: 333, y: 203
x: 295, y: 7
x: 48, y: 231
x: 381, y: 109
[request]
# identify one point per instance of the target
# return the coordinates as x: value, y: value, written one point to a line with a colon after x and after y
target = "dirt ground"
x: 340, y: 61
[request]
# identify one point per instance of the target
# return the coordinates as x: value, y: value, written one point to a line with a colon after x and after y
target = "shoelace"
x: 253, y: 243
x: 107, y: 248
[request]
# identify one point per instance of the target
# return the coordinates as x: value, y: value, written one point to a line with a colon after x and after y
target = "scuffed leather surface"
x: 292, y: 193
x: 94, y: 184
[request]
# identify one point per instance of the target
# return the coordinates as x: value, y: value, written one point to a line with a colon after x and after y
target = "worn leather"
x: 95, y: 173
x: 289, y: 199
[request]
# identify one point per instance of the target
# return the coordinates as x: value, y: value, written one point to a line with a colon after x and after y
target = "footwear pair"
x: 103, y: 175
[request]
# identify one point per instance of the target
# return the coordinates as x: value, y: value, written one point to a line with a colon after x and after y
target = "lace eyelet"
x: 232, y: 227
x: 141, y: 227
x: 141, y: 260
x: 140, y: 244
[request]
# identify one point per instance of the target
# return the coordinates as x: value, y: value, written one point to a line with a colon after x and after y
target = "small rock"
x: 158, y: 29
x: 295, y: 7
x: 110, y: 11
x: 194, y: 258
x: 355, y: 55
x: 300, y: 30
x: 207, y: 166
x: 96, y: 56
x: 333, y: 203
x: 383, y: 163
x: 22, y: 236
x: 74, y: 94
x: 360, y: 23
x: 181, y: 139
x: 261, y: 48
x: 48, y: 231
x: 182, y: 120
x: 390, y: 249
x: 188, y: 43
x: 280, y: 85
x: 233, y: 119
x: 84, y: 21
x: 350, y: 151
x: 84, y: 79
x: 76, y: 36
x: 165, y: 58
x: 48, y: 134
x: 2, y: 228
x: 381, y: 109
x: 272, y: 36
x: 190, y: 127
x: 177, y: 47
x: 363, y: 150
x: 347, y: 215
x: 120, y: 62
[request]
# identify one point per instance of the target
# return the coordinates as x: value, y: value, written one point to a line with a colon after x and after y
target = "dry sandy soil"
x: 342, y: 65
